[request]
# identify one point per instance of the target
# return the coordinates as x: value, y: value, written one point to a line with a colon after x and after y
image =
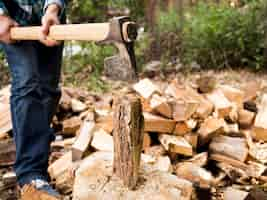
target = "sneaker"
x: 39, y: 190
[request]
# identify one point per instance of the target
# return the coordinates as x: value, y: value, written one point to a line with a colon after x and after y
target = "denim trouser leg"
x: 35, y: 72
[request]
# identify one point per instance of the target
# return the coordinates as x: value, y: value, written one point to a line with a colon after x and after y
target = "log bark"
x: 128, y: 139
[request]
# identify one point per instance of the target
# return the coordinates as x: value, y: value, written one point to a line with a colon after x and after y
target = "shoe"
x: 39, y: 190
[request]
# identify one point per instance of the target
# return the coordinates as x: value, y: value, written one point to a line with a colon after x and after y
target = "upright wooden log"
x: 128, y: 139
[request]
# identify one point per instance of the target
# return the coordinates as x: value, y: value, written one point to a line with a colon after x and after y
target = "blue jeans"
x: 35, y: 71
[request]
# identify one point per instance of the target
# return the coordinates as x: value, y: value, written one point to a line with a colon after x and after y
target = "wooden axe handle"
x: 85, y: 32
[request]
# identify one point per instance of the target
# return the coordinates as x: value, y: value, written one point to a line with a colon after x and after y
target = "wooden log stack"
x: 213, y: 139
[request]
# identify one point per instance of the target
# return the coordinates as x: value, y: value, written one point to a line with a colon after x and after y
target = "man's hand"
x: 6, y: 23
x: 50, y: 18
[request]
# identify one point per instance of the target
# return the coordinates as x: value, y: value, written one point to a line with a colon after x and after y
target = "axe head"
x: 123, y: 33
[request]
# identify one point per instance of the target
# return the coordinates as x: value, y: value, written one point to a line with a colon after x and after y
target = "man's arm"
x: 6, y: 23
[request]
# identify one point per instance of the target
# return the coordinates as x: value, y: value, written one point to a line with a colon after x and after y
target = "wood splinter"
x: 128, y: 139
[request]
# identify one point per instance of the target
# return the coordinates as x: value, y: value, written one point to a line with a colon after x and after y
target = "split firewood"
x: 231, y: 193
x: 161, y: 106
x: 222, y: 105
x: 5, y: 118
x: 146, y: 105
x: 146, y: 141
x: 77, y: 106
x: 83, y: 141
x: 10, y: 178
x: 71, y: 125
x: 251, y: 90
x: 252, y: 169
x: 245, y: 118
x: 182, y: 128
x: 205, y: 107
x: 155, y: 151
x: 162, y: 163
x: 64, y: 143
x: 188, y: 94
x: 230, y: 146
x: 233, y: 94
x: 231, y: 129
x: 65, y: 101
x: 234, y: 173
x: 209, y: 128
x: 260, y: 125
x: 7, y: 152
x: 251, y: 106
x: 195, y: 174
x: 77, y: 93
x: 155, y: 123
x: 257, y: 194
x: 102, y: 141
x: 255, y: 169
x: 3, y: 136
x: 230, y: 161
x: 206, y: 84
x: 146, y: 88
x: 176, y: 144
x: 192, y: 138
x: 256, y: 150
x: 200, y: 159
x: 105, y: 123
x: 233, y: 114
x: 59, y: 172
x: 183, y: 110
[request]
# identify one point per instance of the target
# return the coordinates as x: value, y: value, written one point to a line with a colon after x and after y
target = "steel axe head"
x: 122, y: 34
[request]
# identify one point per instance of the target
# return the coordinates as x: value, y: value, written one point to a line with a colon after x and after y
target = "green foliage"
x: 94, y: 10
x: 81, y: 11
x: 136, y: 7
x: 87, y: 66
x: 219, y: 36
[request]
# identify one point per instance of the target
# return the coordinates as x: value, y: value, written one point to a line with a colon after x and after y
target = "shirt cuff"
x: 60, y: 3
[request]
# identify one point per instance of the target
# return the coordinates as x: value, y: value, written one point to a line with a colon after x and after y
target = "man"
x: 35, y: 71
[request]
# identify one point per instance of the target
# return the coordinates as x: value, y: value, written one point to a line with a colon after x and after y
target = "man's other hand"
x: 50, y: 18
x: 6, y: 23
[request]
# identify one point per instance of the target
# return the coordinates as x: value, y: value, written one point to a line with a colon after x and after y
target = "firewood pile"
x: 210, y: 136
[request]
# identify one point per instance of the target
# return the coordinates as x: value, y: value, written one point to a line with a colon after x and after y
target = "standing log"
x: 128, y: 139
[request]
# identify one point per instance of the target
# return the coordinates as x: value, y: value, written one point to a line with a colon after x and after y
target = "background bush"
x: 221, y: 36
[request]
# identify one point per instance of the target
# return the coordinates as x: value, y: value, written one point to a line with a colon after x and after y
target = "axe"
x: 119, y: 31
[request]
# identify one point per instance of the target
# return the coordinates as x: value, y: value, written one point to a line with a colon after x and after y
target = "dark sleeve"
x: 60, y: 3
x: 3, y: 9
